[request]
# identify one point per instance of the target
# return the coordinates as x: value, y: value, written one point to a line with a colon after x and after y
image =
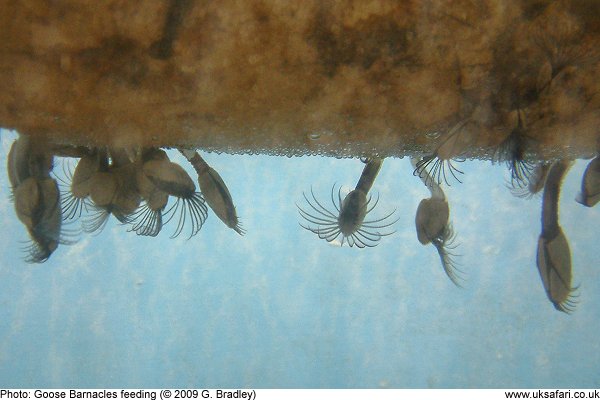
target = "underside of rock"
x: 345, y: 78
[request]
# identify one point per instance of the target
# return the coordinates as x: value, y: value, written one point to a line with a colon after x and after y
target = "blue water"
x: 281, y: 308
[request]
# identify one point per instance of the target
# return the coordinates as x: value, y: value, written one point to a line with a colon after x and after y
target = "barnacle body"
x: 554, y: 265
x: 590, y: 184
x: 37, y: 205
x: 172, y: 179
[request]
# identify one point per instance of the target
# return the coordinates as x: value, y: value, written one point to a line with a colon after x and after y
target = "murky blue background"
x: 281, y: 308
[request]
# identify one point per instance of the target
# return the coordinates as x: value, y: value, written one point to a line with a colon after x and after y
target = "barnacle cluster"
x: 432, y: 221
x: 145, y: 191
x: 135, y: 189
x: 142, y: 189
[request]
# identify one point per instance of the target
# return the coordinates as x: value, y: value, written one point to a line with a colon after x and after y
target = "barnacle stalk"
x: 438, y: 167
x: 553, y: 254
x: 215, y: 191
x: 433, y: 226
x: 17, y: 164
x: 28, y: 158
x: 349, y: 223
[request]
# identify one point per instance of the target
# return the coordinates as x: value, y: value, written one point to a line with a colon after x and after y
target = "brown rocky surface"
x: 335, y: 77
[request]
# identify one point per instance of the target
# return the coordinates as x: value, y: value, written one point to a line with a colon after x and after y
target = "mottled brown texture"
x: 333, y: 77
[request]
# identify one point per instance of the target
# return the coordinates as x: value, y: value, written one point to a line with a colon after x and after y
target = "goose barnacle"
x: 36, y: 197
x: 433, y: 226
x: 215, y: 191
x: 351, y: 213
x: 553, y: 254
